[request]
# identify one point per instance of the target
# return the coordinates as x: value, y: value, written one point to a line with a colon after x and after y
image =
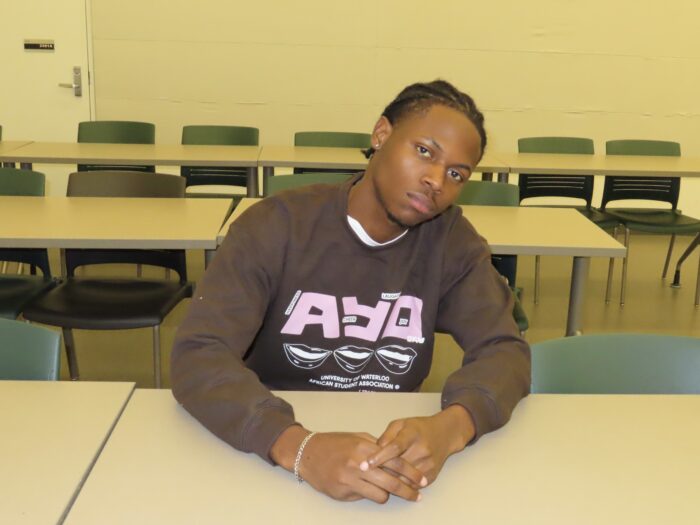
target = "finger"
x: 365, y: 435
x: 391, y: 450
x: 406, y: 470
x: 391, y: 484
x: 392, y: 430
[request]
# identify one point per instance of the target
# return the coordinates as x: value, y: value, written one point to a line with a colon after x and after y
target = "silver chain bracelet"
x: 300, y: 452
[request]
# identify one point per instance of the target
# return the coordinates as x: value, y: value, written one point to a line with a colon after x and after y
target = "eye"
x: 455, y: 175
x: 423, y: 151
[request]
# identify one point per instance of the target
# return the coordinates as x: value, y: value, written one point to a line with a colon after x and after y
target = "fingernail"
x: 423, y: 481
x: 420, y: 497
x: 364, y: 466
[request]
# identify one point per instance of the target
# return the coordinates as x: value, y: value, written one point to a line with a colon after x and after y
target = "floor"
x: 651, y: 307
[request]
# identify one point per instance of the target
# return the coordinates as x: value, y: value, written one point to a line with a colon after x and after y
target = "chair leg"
x: 691, y: 247
x: 611, y: 267
x: 668, y: 256
x: 623, y: 288
x: 156, y: 356
x: 537, y: 279
x: 70, y: 353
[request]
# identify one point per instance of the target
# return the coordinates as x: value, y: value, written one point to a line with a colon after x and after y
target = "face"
x: 422, y: 163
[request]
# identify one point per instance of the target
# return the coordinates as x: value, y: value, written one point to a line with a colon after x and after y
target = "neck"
x: 364, y: 206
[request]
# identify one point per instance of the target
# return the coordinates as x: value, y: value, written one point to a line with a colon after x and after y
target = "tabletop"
x: 525, y: 230
x: 101, y: 222
x: 159, y: 154
x: 50, y: 435
x: 561, y: 459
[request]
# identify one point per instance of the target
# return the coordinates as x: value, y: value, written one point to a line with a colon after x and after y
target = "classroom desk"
x: 272, y: 157
x: 7, y: 146
x: 99, y: 222
x: 619, y: 165
x: 530, y: 231
x: 561, y: 459
x: 125, y: 154
x: 50, y: 436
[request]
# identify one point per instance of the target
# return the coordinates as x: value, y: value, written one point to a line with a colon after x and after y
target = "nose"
x: 434, y: 177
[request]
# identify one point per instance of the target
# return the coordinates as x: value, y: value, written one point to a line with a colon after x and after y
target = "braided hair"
x: 420, y: 97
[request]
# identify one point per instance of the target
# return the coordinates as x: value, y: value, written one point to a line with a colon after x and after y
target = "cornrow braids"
x: 420, y: 97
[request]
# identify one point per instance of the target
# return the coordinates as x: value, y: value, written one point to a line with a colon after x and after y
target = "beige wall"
x: 536, y: 68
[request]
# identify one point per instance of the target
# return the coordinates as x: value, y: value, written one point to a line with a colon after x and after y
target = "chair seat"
x: 602, y: 219
x: 655, y: 220
x: 16, y: 291
x: 108, y: 304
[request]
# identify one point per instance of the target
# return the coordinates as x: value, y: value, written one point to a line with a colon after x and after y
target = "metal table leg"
x: 503, y: 177
x: 268, y: 171
x: 252, y: 182
x: 579, y: 275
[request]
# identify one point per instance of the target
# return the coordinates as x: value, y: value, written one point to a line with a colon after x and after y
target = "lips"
x: 421, y: 203
x: 396, y: 359
x: 352, y: 358
x: 305, y: 356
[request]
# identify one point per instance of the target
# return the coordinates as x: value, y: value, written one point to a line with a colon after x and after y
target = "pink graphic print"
x: 302, y: 316
x: 376, y: 317
x: 413, y: 329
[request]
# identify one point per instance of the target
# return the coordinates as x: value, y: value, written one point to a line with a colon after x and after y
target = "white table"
x: 531, y: 231
x: 562, y: 459
x: 138, y: 154
x: 100, y: 222
x: 50, y: 436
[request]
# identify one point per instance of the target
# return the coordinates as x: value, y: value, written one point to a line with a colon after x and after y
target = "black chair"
x: 18, y: 290
x: 116, y: 132
x: 572, y: 186
x: 115, y: 303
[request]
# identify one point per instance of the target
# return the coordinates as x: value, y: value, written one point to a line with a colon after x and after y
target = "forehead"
x: 447, y: 126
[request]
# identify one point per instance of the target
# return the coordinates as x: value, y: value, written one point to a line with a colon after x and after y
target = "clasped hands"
x: 350, y: 466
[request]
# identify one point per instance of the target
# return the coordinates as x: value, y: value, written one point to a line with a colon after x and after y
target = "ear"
x: 381, y: 132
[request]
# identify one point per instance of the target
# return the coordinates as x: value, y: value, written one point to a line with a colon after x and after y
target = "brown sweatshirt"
x: 294, y: 300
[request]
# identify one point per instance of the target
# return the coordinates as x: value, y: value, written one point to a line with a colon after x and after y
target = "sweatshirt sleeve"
x: 476, y: 309
x: 208, y: 375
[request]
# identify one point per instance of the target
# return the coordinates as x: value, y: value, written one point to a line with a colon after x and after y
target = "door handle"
x: 77, y: 85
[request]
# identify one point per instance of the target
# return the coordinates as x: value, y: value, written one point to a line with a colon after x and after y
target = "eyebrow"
x: 434, y: 143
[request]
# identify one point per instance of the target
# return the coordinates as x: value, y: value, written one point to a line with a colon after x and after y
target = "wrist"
x: 284, y: 449
x: 459, y: 426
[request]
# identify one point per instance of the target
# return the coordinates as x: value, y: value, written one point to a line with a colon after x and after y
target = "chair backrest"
x: 116, y: 132
x: 31, y: 184
x: 28, y: 352
x: 286, y: 182
x: 617, y: 364
x: 217, y: 136
x: 661, y: 189
x: 576, y: 186
x: 21, y: 182
x: 485, y: 193
x: 332, y: 139
x: 126, y: 184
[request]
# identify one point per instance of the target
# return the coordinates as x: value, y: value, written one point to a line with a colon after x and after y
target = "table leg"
x: 579, y: 275
x: 252, y: 182
x: 503, y: 177
x: 268, y: 171
x: 487, y: 176
x: 25, y: 165
x: 208, y: 257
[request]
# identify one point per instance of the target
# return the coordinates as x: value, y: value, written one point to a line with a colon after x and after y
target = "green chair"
x: 617, y: 364
x: 217, y: 136
x: 677, y: 275
x: 572, y: 186
x: 330, y: 139
x: 288, y: 182
x: 668, y: 221
x: 116, y: 132
x: 486, y: 193
x: 18, y: 290
x: 28, y: 352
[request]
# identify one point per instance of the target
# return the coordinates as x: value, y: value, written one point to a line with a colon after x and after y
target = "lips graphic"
x: 304, y: 356
x: 396, y: 359
x: 352, y: 358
